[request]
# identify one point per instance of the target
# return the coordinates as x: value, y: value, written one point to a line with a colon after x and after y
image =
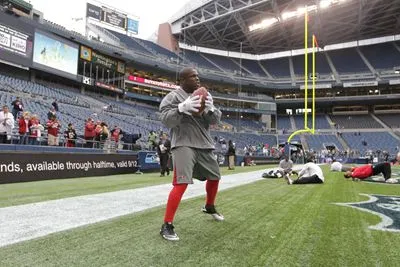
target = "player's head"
x: 398, y: 156
x: 347, y: 174
x: 5, y: 109
x: 189, y: 80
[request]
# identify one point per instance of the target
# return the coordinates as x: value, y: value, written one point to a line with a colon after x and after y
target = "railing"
x: 107, y: 146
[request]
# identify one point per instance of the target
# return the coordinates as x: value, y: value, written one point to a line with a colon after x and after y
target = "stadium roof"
x: 279, y: 24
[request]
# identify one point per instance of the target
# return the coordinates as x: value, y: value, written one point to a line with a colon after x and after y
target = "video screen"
x: 56, y: 55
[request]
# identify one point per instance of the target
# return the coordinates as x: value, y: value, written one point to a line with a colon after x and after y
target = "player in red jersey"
x: 365, y: 171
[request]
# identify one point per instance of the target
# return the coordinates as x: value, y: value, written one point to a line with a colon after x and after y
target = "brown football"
x: 203, y: 93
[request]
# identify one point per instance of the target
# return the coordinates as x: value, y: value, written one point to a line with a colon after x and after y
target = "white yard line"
x: 29, y: 221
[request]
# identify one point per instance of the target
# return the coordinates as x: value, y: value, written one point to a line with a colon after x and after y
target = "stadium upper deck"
x: 267, y: 26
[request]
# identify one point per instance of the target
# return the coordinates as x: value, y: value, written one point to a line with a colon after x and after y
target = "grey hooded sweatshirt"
x: 186, y: 130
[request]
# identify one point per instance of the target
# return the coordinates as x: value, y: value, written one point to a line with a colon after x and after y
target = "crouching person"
x: 311, y: 173
x: 365, y: 171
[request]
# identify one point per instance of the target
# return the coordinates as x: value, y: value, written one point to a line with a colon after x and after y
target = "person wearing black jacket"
x: 55, y: 105
x: 17, y: 107
x: 231, y: 155
x: 163, y: 150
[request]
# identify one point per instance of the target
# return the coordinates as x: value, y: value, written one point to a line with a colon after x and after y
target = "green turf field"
x: 268, y: 223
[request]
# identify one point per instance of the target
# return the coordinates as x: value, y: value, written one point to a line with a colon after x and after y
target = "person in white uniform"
x: 6, y: 125
x: 311, y: 173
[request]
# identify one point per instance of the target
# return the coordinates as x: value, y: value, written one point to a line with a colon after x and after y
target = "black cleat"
x: 168, y: 233
x: 210, y: 209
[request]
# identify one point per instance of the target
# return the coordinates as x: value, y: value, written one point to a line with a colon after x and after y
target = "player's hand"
x: 209, y: 103
x: 191, y: 104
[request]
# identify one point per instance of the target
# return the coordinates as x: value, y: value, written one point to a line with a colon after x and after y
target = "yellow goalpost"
x: 306, y: 128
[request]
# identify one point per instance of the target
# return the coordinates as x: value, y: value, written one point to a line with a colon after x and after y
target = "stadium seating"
x: 347, y: 61
x: 322, y: 66
x: 320, y: 121
x: 130, y: 42
x: 158, y: 49
x: 141, y: 119
x: 143, y: 46
x: 246, y: 139
x: 197, y: 59
x: 244, y: 123
x: 37, y: 99
x: 355, y: 121
x: 284, y: 122
x: 317, y: 142
x: 278, y: 67
x: 382, y: 56
x: 224, y: 63
x: 282, y: 138
x: 252, y: 66
x: 373, y: 141
x: 17, y: 85
x: 391, y: 120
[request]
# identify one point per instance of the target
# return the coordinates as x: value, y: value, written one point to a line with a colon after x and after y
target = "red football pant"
x: 211, y: 189
x: 177, y: 192
x: 174, y: 199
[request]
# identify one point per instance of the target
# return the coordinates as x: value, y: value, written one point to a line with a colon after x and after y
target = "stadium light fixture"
x: 300, y: 11
x: 324, y: 4
x: 264, y: 24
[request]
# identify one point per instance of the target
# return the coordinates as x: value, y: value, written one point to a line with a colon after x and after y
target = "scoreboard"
x: 112, y: 18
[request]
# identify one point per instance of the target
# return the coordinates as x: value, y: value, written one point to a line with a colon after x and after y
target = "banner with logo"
x: 103, y: 60
x: 151, y: 82
x: 317, y: 86
x: 149, y: 160
x: 121, y: 67
x: 24, y: 167
x: 86, y: 53
x: 15, y: 42
x: 109, y: 87
x: 360, y: 84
